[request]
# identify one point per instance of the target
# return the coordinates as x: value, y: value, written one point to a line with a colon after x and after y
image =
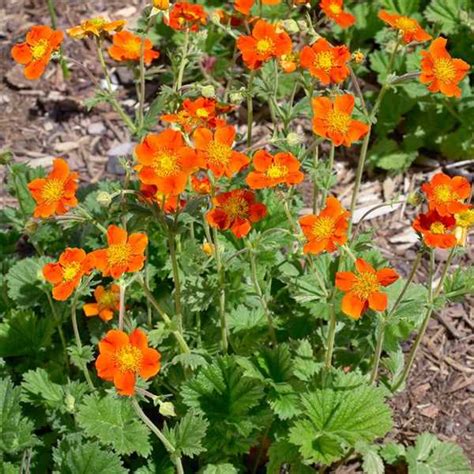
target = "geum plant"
x: 279, y: 334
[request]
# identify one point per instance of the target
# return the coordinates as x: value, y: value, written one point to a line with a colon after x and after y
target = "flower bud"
x: 216, y: 17
x: 104, y: 198
x: 70, y: 403
x: 293, y: 139
x: 208, y: 248
x: 415, y: 199
x: 302, y: 26
x: 209, y: 92
x: 237, y: 97
x: 31, y: 226
x: 358, y: 56
x: 167, y: 409
x: 6, y: 157
x: 161, y: 4
x: 290, y: 26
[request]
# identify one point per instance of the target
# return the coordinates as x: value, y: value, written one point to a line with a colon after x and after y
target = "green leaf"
x: 38, y: 388
x: 16, y: 431
x: 460, y: 283
x: 24, y: 334
x: 114, y: 422
x: 87, y: 458
x: 187, y: 435
x: 392, y: 452
x: 219, y: 469
x: 446, y: 13
x: 403, y: 7
x: 230, y: 402
x: 372, y: 463
x: 282, y: 452
x: 304, y: 366
x: 334, y: 418
x: 432, y: 456
x: 25, y: 280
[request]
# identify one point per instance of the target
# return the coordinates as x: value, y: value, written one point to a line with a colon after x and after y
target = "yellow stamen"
x: 109, y: 299
x: 465, y: 218
x: 444, y: 69
x: 406, y: 24
x: 119, y: 254
x: 443, y: 193
x: 71, y: 270
x: 324, y: 61
x: 339, y: 122
x: 166, y: 164
x: 39, y: 49
x: 265, y: 46
x: 437, y: 228
x: 323, y: 228
x: 366, y: 284
x: 53, y: 190
x: 334, y: 8
x: 202, y: 113
x: 277, y: 171
x: 129, y: 358
x: 219, y: 153
x: 236, y: 207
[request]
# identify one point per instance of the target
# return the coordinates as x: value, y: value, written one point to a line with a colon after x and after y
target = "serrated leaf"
x: 114, y: 422
x: 190, y: 361
x: 24, y: 281
x: 304, y: 366
x: 37, y: 387
x: 432, y: 456
x: 334, y: 418
x: 446, y: 13
x: 283, y: 453
x: 392, y: 452
x: 219, y: 469
x: 16, y: 431
x: 372, y: 463
x: 187, y: 435
x: 88, y: 458
x: 404, y: 7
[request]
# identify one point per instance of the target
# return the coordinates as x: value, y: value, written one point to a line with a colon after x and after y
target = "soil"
x: 44, y: 119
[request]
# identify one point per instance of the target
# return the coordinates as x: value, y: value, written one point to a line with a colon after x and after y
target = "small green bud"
x: 208, y: 91
x: 237, y: 97
x: 293, y: 139
x: 167, y: 409
x: 415, y: 198
x: 70, y: 402
x: 291, y: 26
x: 104, y: 198
x: 6, y: 157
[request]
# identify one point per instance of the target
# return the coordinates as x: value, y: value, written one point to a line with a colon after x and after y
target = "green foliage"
x: 446, y: 13
x: 283, y: 453
x: 38, y: 388
x: 219, y: 469
x: 432, y: 456
x: 114, y: 423
x: 336, y: 418
x: 16, y: 431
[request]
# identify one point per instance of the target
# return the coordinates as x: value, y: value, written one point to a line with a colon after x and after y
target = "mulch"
x: 45, y: 119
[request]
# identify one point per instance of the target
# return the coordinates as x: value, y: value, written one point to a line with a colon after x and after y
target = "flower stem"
x: 57, y: 319
x: 261, y: 296
x: 164, y: 440
x: 141, y: 103
x: 182, y: 65
x: 378, y: 351
x: 54, y: 21
x: 250, y: 109
x: 426, y: 320
x: 315, y: 183
x: 221, y: 281
x: 113, y: 101
x: 330, y: 167
x: 176, y: 278
x: 121, y: 306
x: 331, y: 337
x: 167, y: 320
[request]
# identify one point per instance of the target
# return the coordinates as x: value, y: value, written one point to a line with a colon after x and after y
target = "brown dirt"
x: 44, y: 119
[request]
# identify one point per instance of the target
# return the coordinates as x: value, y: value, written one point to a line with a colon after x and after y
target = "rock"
x: 115, y: 154
x: 97, y: 128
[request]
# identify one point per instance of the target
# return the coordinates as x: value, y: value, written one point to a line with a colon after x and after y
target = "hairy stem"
x: 221, y: 280
x: 378, y: 351
x: 330, y: 338
x: 182, y: 65
x: 121, y: 306
x: 250, y: 109
x: 330, y: 167
x: 177, y: 281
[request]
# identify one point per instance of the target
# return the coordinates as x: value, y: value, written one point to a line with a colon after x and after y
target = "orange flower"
x: 184, y: 16
x: 161, y: 4
x: 201, y: 185
x: 55, y: 193
x: 236, y: 210
x: 244, y: 6
x: 124, y: 254
x: 127, y: 47
x: 165, y: 161
x: 437, y: 230
x: 270, y: 171
x: 332, y: 120
x: 410, y: 28
x: 198, y: 112
x: 66, y: 274
x: 441, y: 71
x: 289, y: 62
x: 98, y: 26
x: 363, y: 288
x: 327, y: 229
x: 464, y: 222
x: 326, y: 62
x: 35, y: 52
x: 446, y: 195
x: 107, y: 302
x: 169, y: 203
x: 264, y: 44
x: 215, y: 150
x: 334, y: 9
x: 122, y: 358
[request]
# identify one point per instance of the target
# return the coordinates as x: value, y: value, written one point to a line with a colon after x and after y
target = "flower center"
x: 39, y: 49
x: 202, y: 113
x: 444, y: 69
x: 134, y: 47
x: 339, y: 122
x: 129, y: 358
x: 324, y: 61
x: 277, y: 171
x: 323, y: 228
x: 443, y: 193
x: 219, y: 152
x: 119, y: 254
x: 108, y: 299
x: 366, y: 284
x: 265, y: 46
x: 437, y: 228
x: 53, y: 190
x: 71, y: 270
x: 97, y: 21
x: 334, y: 8
x: 236, y: 207
x: 406, y: 24
x: 465, y: 218
x: 166, y: 164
